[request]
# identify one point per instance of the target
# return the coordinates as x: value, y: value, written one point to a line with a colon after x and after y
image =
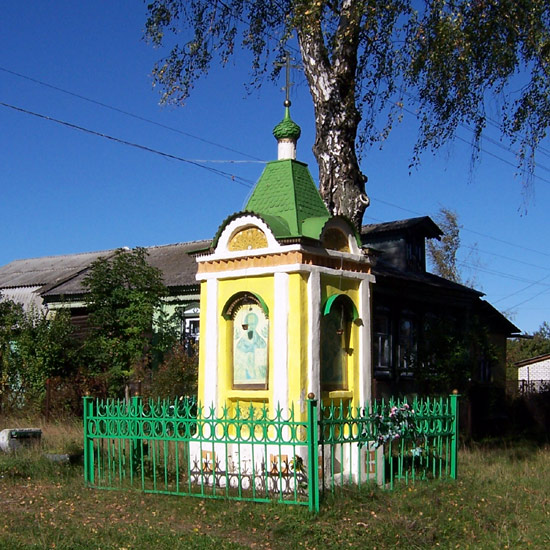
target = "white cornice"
x: 218, y: 254
x: 288, y: 268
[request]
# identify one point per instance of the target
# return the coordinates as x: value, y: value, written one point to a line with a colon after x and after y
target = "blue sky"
x: 65, y: 190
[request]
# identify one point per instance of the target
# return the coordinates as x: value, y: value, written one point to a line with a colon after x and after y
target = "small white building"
x: 534, y: 373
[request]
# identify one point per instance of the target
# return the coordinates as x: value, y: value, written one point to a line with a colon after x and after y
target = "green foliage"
x: 176, y: 376
x: 11, y: 315
x: 443, y: 253
x: 448, y: 357
x: 33, y: 347
x: 537, y: 344
x: 122, y: 294
x: 45, y: 347
x: 446, y: 58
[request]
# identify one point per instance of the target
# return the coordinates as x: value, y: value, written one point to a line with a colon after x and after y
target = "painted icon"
x: 250, y: 336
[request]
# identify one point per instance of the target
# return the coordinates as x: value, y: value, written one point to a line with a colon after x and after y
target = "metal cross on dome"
x: 287, y: 63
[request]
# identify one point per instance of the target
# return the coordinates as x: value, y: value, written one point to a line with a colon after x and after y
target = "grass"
x: 501, y: 500
x: 62, y: 436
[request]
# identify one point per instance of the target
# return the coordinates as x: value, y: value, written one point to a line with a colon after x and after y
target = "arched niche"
x: 248, y: 318
x: 339, y: 313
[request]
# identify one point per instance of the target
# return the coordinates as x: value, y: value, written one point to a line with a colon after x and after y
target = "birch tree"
x: 365, y: 61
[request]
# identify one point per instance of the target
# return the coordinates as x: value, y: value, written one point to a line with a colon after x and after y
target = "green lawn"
x: 501, y: 500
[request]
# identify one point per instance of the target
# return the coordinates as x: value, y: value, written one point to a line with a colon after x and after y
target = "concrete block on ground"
x: 12, y: 439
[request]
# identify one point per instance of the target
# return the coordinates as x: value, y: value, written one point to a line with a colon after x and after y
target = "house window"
x: 192, y: 329
x: 407, y: 344
x: 250, y: 332
x: 415, y: 254
x: 382, y: 343
x: 485, y: 373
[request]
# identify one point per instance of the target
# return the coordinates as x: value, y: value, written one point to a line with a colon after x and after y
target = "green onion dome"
x: 287, y: 128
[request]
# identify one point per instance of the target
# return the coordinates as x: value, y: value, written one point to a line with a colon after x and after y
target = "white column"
x: 210, y: 342
x: 280, y: 341
x: 365, y: 340
x: 314, y: 326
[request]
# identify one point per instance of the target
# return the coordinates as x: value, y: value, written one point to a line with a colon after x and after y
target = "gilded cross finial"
x: 287, y: 63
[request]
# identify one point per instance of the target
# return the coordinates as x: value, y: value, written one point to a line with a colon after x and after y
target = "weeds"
x: 500, y: 501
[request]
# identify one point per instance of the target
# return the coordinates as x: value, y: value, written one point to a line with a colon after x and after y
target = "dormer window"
x: 415, y: 255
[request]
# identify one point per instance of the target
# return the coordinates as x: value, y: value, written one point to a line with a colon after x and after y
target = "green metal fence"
x: 390, y: 441
x: 246, y: 453
x: 179, y: 448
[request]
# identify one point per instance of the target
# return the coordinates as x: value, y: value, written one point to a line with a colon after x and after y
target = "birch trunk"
x: 332, y: 82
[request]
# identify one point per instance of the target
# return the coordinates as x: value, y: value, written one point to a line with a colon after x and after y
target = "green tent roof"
x: 286, y: 192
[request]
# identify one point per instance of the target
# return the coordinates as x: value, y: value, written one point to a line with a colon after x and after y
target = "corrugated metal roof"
x: 45, y: 271
x: 27, y: 296
x: 24, y: 280
x: 174, y: 260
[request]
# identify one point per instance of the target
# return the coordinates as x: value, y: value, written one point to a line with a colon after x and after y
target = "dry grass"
x: 501, y: 501
x: 58, y: 436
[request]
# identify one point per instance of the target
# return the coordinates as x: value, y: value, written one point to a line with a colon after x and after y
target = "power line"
x: 522, y: 289
x: 493, y: 123
x: 540, y: 148
x: 249, y: 184
x: 492, y: 272
x: 505, y: 161
x: 484, y: 270
x: 209, y: 142
x: 232, y: 177
x: 127, y: 113
x: 462, y: 228
x: 501, y: 274
x: 475, y: 249
x: 529, y: 299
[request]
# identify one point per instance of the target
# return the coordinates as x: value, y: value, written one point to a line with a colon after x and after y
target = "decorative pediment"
x: 247, y: 238
x: 245, y: 232
x: 335, y: 239
x: 340, y: 235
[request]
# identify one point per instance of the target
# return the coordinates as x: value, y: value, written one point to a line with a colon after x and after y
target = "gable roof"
x: 56, y: 276
x: 46, y: 271
x: 422, y: 225
x: 175, y: 261
x: 24, y: 280
x: 532, y: 360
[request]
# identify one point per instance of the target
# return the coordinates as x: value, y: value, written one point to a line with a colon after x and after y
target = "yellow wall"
x: 298, y: 337
x: 263, y: 287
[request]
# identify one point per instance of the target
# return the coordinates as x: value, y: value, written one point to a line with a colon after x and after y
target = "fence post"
x: 313, y: 461
x: 136, y: 447
x: 88, y: 441
x: 454, y: 441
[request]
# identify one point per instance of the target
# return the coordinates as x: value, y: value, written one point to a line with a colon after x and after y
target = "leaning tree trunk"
x: 331, y: 81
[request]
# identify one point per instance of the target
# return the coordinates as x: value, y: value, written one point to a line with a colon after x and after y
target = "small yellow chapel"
x: 285, y: 299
